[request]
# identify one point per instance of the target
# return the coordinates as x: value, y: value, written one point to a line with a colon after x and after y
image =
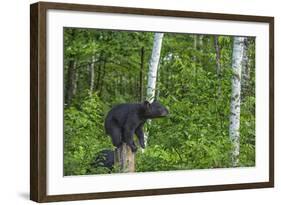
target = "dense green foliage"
x: 194, y: 135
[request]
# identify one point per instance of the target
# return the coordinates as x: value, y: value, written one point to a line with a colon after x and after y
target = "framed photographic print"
x: 135, y: 102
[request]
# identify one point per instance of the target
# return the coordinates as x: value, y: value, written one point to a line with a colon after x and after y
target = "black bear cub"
x: 105, y: 158
x: 125, y: 120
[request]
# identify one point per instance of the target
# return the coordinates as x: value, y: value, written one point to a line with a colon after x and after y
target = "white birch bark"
x: 153, y: 65
x: 92, y: 75
x: 152, y: 72
x: 245, y: 69
x: 234, y: 126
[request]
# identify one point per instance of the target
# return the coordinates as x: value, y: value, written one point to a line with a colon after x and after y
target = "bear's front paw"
x: 142, y: 145
x: 134, y: 148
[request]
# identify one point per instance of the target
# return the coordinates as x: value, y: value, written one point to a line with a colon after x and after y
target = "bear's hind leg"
x: 140, y: 135
x: 115, y: 134
x: 128, y: 137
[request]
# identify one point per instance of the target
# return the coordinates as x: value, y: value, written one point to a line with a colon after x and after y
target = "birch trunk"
x: 234, y: 126
x: 153, y: 65
x: 92, y: 75
x: 245, y: 69
x: 152, y: 73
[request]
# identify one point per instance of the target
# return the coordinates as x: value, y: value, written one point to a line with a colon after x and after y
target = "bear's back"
x: 119, y: 114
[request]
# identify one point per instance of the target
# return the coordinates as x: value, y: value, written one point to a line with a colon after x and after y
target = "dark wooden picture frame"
x: 38, y: 101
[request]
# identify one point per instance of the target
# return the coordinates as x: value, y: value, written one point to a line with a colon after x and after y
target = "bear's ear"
x: 146, y: 105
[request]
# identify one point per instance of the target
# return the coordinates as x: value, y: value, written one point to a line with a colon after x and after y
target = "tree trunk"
x: 92, y: 75
x: 141, y: 75
x: 218, y: 64
x: 234, y: 126
x: 102, y: 78
x: 194, y: 57
x: 152, y: 73
x: 245, y: 70
x: 200, y: 42
x: 219, y: 75
x: 202, y: 51
x: 98, y: 71
x: 195, y: 42
x: 125, y: 158
x: 116, y: 85
x: 71, y: 82
x: 153, y: 65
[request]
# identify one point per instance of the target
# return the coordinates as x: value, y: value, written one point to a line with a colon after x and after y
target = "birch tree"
x: 91, y: 75
x: 234, y: 126
x: 152, y: 72
x: 153, y: 65
x: 245, y: 69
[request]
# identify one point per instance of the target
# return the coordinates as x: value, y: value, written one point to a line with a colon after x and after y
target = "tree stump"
x: 125, y: 158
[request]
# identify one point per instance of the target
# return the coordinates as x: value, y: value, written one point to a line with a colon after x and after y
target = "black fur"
x: 105, y: 158
x: 125, y: 120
